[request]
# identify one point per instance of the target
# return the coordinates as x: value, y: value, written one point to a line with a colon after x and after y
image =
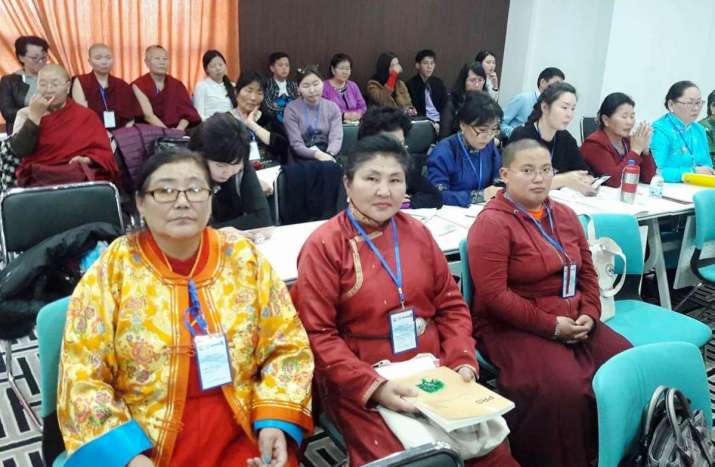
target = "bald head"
x: 53, y: 70
x: 98, y: 48
x: 157, y: 59
x: 100, y: 59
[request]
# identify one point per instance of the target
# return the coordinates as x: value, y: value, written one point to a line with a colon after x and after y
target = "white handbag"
x: 471, y: 442
x: 604, y: 252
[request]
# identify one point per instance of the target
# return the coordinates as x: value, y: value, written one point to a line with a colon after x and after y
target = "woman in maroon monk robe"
x: 357, y: 273
x: 536, y: 312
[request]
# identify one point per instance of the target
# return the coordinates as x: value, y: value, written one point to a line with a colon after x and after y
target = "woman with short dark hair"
x: 342, y: 91
x: 465, y: 166
x: 16, y: 89
x: 610, y: 149
x: 345, y: 297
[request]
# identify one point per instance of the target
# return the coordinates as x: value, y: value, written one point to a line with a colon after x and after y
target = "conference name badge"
x: 109, y: 120
x: 212, y: 359
x: 568, y: 284
x: 403, y: 331
x: 254, y: 154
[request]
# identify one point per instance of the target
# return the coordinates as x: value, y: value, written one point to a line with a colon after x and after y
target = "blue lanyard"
x: 469, y: 159
x: 193, y: 312
x: 396, y: 277
x: 312, y: 128
x: 253, y: 135
x: 625, y: 149
x: 104, y: 97
x: 552, y: 241
x: 681, y: 134
x: 553, y: 142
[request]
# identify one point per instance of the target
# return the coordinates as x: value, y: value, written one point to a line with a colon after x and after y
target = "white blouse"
x: 211, y: 97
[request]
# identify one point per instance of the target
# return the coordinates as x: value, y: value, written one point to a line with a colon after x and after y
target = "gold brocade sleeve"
x: 87, y: 406
x: 282, y: 353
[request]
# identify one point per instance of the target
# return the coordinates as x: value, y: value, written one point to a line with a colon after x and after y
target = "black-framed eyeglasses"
x: 490, y: 133
x: 168, y: 194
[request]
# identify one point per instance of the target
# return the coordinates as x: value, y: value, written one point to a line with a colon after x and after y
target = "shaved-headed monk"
x: 163, y: 98
x: 109, y: 97
x: 72, y: 144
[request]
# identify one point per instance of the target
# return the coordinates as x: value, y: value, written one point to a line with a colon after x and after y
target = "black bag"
x: 170, y: 142
x: 672, y: 436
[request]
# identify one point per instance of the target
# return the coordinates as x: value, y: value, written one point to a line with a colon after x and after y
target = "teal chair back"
x: 624, y: 385
x: 420, y: 137
x: 350, y: 137
x: 624, y: 230
x: 50, y: 330
x: 704, y: 219
x: 467, y: 286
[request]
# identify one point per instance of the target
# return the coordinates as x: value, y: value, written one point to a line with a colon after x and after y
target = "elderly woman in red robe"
x: 536, y: 312
x: 163, y: 98
x: 72, y: 144
x: 363, y: 269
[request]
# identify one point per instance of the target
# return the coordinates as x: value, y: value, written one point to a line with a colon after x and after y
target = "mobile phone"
x: 600, y: 181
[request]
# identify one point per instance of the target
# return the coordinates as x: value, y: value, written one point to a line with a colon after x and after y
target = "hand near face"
x: 38, y: 107
x: 396, y: 69
x: 494, y: 79
x: 641, y: 137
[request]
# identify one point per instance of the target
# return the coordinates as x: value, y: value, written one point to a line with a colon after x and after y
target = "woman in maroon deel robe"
x: 345, y: 296
x: 547, y: 344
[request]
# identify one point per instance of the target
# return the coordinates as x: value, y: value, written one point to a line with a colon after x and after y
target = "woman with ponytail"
x: 548, y: 124
x: 215, y: 93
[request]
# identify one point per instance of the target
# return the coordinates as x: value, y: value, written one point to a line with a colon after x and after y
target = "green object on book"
x: 431, y: 385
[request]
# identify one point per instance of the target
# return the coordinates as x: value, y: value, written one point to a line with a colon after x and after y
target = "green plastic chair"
x: 624, y: 385
x: 640, y: 322
x: 350, y: 137
x: 468, y: 293
x: 420, y: 137
x: 50, y: 329
x: 703, y: 268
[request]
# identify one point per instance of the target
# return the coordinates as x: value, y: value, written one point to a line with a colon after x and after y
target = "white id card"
x: 212, y: 358
x: 109, y: 120
x: 403, y: 331
x: 254, y: 154
x: 568, y: 283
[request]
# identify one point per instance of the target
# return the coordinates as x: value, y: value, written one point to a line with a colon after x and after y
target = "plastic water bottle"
x: 629, y: 182
x: 656, y: 185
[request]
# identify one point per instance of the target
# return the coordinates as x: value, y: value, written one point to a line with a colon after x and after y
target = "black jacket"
x: 45, y: 273
x: 565, y: 155
x: 241, y: 204
x: 12, y: 97
x: 417, y: 92
x: 310, y: 191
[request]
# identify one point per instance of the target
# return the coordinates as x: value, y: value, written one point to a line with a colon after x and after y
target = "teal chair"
x: 703, y: 268
x: 420, y: 137
x: 640, y: 322
x: 50, y: 329
x: 350, y: 137
x: 468, y: 293
x: 624, y: 385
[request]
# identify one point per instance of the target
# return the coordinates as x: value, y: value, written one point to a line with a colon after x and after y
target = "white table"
x: 448, y: 225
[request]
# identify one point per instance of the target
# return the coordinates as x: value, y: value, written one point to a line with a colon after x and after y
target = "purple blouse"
x: 349, y: 101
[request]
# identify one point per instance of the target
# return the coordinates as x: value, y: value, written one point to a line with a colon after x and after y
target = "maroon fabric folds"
x: 172, y: 103
x: 119, y: 97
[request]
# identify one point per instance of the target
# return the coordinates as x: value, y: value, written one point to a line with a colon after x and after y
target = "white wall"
x: 639, y: 47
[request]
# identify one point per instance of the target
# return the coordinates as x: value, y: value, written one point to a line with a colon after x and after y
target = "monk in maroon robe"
x: 544, y: 335
x: 345, y: 297
x: 71, y: 140
x: 111, y: 98
x: 163, y: 99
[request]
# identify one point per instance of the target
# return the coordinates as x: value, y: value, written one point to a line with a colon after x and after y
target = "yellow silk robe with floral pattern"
x: 125, y: 355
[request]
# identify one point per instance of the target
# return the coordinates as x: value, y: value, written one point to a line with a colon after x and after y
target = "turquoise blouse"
x: 677, y: 148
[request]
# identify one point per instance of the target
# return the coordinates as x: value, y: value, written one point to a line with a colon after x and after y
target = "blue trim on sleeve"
x: 114, y: 448
x: 291, y: 429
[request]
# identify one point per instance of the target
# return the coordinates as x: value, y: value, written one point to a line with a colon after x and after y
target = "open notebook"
x: 443, y: 396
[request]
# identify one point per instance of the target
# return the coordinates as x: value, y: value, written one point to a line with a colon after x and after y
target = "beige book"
x: 453, y: 403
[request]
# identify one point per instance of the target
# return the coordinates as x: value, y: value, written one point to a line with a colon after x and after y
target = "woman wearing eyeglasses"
x: 182, y: 346
x: 240, y: 201
x: 679, y: 144
x: 17, y: 89
x: 553, y: 112
x: 465, y: 165
x: 536, y: 312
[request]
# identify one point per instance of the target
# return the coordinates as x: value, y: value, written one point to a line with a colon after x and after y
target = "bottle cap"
x: 631, y: 162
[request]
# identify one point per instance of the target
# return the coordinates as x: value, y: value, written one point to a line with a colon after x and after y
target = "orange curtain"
x: 186, y: 28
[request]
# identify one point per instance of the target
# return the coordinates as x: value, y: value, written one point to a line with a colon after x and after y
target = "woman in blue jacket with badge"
x: 464, y: 166
x: 679, y: 144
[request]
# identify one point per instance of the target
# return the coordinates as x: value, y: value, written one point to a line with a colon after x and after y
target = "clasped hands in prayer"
x: 572, y: 331
x: 391, y: 394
